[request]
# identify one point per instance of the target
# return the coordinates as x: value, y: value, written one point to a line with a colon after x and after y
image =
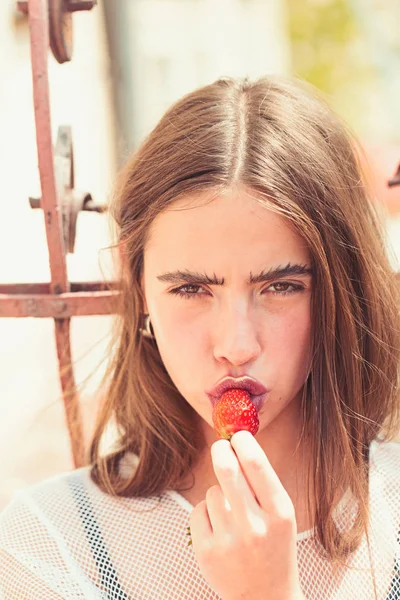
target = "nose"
x: 235, y: 336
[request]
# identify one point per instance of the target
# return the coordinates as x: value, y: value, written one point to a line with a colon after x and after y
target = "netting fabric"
x: 65, y: 539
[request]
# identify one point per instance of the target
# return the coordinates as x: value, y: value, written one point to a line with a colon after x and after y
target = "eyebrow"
x: 191, y: 277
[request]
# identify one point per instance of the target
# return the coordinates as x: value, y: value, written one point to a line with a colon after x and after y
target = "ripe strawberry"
x: 234, y: 412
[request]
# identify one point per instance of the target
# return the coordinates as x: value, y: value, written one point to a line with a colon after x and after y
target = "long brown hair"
x: 279, y: 140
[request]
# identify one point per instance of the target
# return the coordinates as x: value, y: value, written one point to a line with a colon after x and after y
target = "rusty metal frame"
x: 59, y: 299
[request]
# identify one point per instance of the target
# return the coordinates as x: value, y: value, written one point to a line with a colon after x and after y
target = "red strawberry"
x: 234, y: 412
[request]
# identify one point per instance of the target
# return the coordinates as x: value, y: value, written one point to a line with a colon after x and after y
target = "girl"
x: 252, y: 261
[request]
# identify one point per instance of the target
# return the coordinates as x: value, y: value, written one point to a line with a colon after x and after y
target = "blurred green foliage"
x: 327, y: 50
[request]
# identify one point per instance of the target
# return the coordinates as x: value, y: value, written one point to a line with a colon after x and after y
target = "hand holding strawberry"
x: 244, y: 532
x: 233, y: 412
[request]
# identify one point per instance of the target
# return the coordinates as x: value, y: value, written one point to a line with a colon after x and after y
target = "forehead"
x: 213, y: 231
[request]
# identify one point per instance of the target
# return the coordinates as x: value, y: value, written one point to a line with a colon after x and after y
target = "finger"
x: 219, y: 510
x: 200, y: 525
x: 232, y: 481
x: 260, y: 475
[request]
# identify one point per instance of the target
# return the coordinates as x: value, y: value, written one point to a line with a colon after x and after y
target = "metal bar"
x: 39, y: 39
x: 44, y: 288
x: 70, y: 396
x: 58, y: 306
x: 57, y: 299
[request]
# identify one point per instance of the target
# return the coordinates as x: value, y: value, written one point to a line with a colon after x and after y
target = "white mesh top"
x: 65, y: 539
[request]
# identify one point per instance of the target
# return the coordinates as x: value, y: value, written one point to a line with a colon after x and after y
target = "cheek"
x: 175, y: 327
x: 180, y: 338
x: 298, y: 331
x: 288, y: 341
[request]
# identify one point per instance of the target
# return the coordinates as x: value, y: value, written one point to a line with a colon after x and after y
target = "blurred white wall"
x: 33, y: 440
x: 177, y: 46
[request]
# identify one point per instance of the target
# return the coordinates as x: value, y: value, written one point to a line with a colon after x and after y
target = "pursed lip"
x: 251, y: 385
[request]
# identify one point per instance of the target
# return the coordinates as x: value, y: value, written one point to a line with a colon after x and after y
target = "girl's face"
x: 227, y: 285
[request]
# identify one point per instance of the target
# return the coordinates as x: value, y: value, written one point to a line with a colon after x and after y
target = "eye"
x: 283, y: 288
x: 279, y: 288
x: 189, y: 290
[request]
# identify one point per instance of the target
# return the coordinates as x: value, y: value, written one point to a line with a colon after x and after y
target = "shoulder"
x: 38, y: 514
x: 34, y: 559
x: 56, y: 533
x: 64, y: 507
x: 66, y: 531
x: 61, y: 501
x: 384, y: 483
x: 40, y: 497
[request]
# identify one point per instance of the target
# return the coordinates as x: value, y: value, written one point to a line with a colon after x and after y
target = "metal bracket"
x: 71, y: 201
x: 60, y: 24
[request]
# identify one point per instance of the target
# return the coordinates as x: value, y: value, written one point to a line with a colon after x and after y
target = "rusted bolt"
x: 32, y: 307
x: 57, y: 289
x: 59, y: 307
